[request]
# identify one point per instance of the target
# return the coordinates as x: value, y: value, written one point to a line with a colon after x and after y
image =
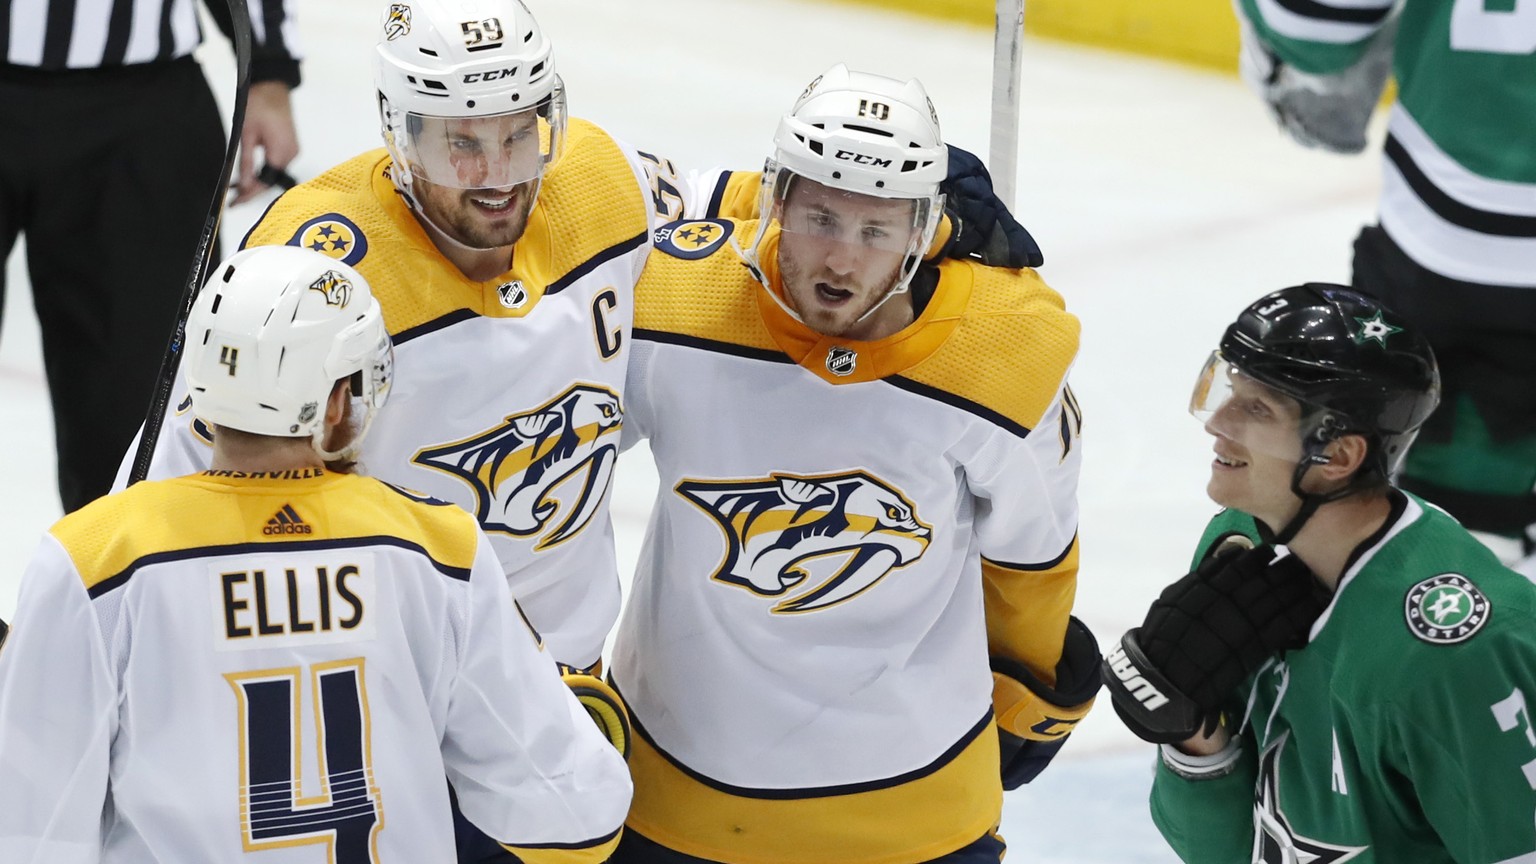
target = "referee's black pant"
x: 109, y: 174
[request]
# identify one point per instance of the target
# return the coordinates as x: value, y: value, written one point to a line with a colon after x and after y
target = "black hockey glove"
x: 603, y: 704
x: 1034, y: 719
x: 981, y: 227
x: 1206, y: 633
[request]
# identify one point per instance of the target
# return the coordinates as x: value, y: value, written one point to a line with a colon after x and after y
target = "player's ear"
x: 336, y: 406
x: 1346, y: 455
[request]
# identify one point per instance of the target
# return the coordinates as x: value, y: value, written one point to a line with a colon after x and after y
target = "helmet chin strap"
x: 1310, y: 501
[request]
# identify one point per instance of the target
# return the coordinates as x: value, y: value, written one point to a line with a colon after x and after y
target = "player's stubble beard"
x: 453, y: 212
x: 799, y: 286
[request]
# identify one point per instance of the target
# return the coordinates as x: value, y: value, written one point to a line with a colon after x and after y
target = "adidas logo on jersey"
x: 286, y: 521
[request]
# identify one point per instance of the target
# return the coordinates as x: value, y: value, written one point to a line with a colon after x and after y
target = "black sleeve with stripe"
x: 270, y: 59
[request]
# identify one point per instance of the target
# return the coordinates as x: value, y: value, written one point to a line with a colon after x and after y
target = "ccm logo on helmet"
x: 1130, y: 676
x: 490, y: 75
x: 861, y: 159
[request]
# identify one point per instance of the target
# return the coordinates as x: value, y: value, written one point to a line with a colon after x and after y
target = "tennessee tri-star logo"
x: 692, y: 239
x: 1275, y: 841
x: 555, y: 460
x: 815, y: 541
x: 1375, y: 328
x: 333, y: 235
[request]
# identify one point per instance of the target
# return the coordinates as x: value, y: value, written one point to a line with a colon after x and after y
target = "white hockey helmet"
x: 863, y: 134
x: 272, y: 332
x: 444, y: 62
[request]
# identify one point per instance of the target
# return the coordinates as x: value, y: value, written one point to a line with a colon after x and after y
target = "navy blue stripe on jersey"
x: 246, y: 240
x: 583, y: 845
x: 598, y: 260
x: 452, y: 318
x: 944, y: 758
x: 112, y: 583
x: 1448, y: 208
x: 1324, y: 12
x: 717, y: 196
x: 717, y: 347
x: 960, y: 402
x: 1030, y: 568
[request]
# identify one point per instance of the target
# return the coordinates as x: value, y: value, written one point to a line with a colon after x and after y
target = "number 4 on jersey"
x: 274, y: 812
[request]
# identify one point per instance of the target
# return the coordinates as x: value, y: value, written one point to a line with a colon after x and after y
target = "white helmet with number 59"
x: 443, y: 62
x: 270, y: 335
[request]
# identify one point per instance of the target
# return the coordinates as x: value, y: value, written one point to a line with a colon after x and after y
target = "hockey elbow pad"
x: 604, y: 706
x: 1033, y: 718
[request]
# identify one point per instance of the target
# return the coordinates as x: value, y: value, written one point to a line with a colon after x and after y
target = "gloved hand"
x: 1329, y: 112
x: 981, y: 228
x: 1033, y: 718
x: 1205, y: 634
x: 603, y: 704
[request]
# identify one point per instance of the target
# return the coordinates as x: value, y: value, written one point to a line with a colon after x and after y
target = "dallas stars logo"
x: 1375, y: 328
x: 1446, y: 609
x: 1275, y: 841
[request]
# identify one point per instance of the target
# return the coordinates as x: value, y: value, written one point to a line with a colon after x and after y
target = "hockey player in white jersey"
x: 850, y: 628
x: 273, y: 661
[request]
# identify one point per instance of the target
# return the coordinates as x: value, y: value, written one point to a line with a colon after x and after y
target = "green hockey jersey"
x: 1401, y: 734
x: 1459, y: 168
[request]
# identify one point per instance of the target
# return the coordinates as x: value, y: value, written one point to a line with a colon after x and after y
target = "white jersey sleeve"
x: 58, y: 715
x: 529, y: 765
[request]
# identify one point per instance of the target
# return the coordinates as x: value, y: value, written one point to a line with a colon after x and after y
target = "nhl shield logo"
x: 842, y: 361
x: 1446, y: 609
x: 512, y: 294
x: 398, y: 22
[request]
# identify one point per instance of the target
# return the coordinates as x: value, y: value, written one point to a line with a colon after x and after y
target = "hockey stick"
x: 240, y: 33
x: 1007, y: 35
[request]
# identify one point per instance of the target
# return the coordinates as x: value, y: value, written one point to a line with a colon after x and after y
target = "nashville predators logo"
x: 334, y: 235
x: 692, y: 239
x: 336, y: 288
x: 398, y: 22
x: 554, y: 460
x: 820, y: 539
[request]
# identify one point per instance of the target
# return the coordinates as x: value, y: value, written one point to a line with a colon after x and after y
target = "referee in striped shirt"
x: 110, y: 142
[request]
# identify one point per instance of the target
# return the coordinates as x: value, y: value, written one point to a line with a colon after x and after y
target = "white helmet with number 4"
x: 270, y: 335
x: 861, y: 134
x: 441, y: 61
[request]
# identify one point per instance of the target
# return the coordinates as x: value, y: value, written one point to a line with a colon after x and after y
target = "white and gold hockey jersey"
x: 844, y: 532
x: 507, y: 396
x: 285, y: 663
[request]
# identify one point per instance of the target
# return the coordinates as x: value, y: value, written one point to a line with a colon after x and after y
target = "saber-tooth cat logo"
x: 832, y: 535
x: 554, y: 460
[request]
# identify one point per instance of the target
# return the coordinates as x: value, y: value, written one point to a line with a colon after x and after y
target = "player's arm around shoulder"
x: 531, y: 769
x: 58, y: 715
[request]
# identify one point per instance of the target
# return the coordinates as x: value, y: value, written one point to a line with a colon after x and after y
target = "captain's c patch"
x: 692, y: 238
x: 333, y: 235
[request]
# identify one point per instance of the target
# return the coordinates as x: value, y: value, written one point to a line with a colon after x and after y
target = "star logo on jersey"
x: 398, y: 22
x: 1375, y: 328
x: 691, y: 239
x: 815, y: 541
x: 333, y: 235
x: 553, y: 461
x: 1446, y: 609
x: 336, y: 288
x: 1275, y: 841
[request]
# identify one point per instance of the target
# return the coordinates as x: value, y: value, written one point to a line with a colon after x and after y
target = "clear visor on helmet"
x: 496, y: 151
x: 367, y: 392
x: 853, y: 221
x: 1250, y: 413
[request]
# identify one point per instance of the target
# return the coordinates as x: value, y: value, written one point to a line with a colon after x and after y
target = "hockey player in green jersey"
x: 1455, y: 250
x: 1347, y: 674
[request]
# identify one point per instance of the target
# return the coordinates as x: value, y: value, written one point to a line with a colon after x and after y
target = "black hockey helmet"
x: 1332, y: 348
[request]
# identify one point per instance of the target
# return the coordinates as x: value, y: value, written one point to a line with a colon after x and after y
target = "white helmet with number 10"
x: 270, y: 335
x: 441, y: 61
